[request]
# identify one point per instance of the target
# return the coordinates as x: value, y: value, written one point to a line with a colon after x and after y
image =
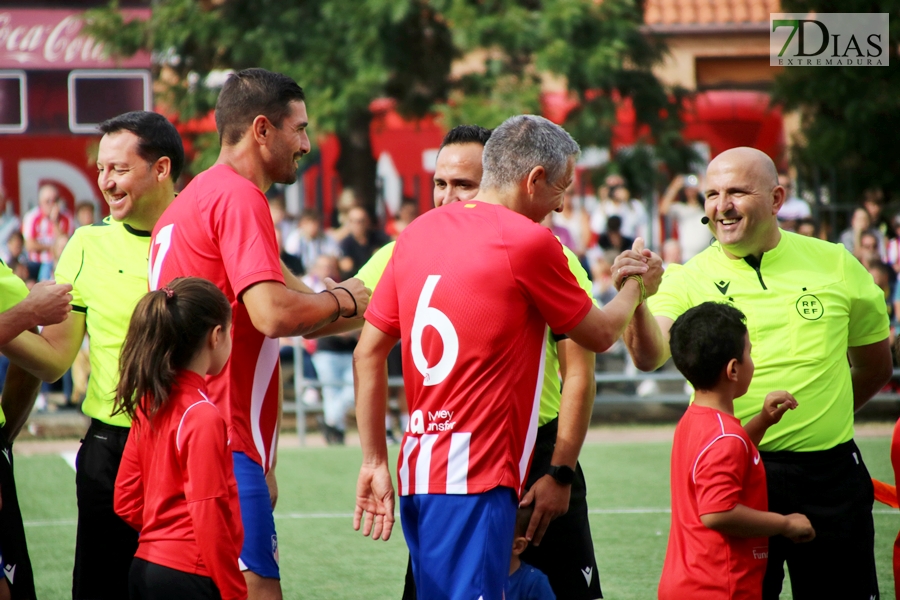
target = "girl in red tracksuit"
x: 176, y: 482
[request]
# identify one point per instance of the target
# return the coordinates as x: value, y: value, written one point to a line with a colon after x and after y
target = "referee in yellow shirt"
x: 139, y: 159
x: 819, y: 329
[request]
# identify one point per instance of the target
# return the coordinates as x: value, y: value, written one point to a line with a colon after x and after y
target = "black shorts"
x: 566, y: 554
x: 16, y: 564
x: 834, y: 490
x: 104, y: 543
x: 150, y: 581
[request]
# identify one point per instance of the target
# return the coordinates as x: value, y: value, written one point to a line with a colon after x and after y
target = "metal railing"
x: 603, y: 379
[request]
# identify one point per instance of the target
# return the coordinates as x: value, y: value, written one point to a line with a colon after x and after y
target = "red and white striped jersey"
x: 40, y: 227
x: 220, y: 228
x: 470, y: 289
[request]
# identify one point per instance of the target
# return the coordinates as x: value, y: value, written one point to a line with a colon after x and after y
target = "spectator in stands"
x: 671, y: 253
x: 614, y: 239
x: 409, y: 210
x: 892, y: 247
x: 795, y: 209
x: 575, y: 220
x: 44, y: 222
x: 280, y: 218
x: 600, y: 256
x: 293, y: 263
x: 85, y: 213
x: 630, y: 211
x: 867, y: 251
x: 307, y: 242
x: 333, y: 360
x: 602, y: 288
x: 561, y: 233
x: 873, y: 202
x: 9, y: 222
x: 682, y: 203
x: 806, y: 227
x: 361, y: 244
x: 48, y: 269
x: 14, y: 253
x: 346, y: 201
x: 885, y: 279
x: 65, y: 384
x: 860, y: 222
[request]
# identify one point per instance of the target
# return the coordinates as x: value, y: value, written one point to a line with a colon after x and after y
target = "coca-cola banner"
x: 33, y: 39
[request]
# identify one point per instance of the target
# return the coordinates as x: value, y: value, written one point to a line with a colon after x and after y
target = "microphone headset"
x: 705, y: 220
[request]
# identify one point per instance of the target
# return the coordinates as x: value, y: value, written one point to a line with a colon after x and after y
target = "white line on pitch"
x: 593, y: 511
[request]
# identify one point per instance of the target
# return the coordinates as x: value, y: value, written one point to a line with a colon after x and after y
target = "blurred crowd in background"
x: 595, y: 224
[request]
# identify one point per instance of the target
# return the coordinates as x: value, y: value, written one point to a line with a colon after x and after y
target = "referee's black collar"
x: 136, y: 232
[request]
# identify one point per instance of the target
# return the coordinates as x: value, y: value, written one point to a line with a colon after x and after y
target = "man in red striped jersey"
x: 470, y: 289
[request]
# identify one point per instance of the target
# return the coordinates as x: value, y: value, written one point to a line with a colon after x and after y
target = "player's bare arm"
x: 743, y: 521
x: 292, y: 282
x: 870, y: 369
x: 374, y: 488
x: 602, y: 327
x: 342, y: 325
x: 551, y: 498
x: 646, y: 337
x: 20, y: 390
x: 774, y: 406
x: 46, y: 304
x: 49, y: 355
x: 277, y: 311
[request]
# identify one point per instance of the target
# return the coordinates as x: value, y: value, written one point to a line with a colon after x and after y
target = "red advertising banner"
x: 44, y: 39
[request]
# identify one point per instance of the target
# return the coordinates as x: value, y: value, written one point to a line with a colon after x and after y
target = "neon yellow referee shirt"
x: 12, y: 291
x: 106, y: 264
x: 806, y: 303
x: 371, y: 272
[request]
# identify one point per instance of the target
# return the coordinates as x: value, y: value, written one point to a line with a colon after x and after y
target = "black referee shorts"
x: 150, y: 581
x: 13, y: 549
x: 834, y: 490
x: 104, y: 544
x: 566, y: 554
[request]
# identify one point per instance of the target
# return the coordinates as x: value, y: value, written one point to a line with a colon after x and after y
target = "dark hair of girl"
x: 167, y: 329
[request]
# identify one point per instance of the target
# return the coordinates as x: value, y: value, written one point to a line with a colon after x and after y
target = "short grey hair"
x: 522, y: 143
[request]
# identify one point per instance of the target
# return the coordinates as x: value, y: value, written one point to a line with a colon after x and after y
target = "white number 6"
x: 425, y: 316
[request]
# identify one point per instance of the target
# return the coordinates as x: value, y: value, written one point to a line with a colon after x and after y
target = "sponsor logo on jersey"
x: 809, y: 307
x: 722, y: 286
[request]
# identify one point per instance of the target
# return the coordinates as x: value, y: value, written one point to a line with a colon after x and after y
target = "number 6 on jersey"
x: 428, y: 315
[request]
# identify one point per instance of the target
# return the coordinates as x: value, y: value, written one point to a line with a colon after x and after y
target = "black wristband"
x: 333, y: 295
x: 355, y: 306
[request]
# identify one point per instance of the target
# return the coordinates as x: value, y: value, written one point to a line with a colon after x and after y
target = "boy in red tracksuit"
x: 718, y: 541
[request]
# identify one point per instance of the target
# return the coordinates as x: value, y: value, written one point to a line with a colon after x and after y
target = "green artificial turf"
x: 323, y: 558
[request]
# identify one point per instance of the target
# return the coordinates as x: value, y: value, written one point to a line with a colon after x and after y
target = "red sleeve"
x: 543, y: 274
x: 205, y: 464
x: 128, y: 499
x: 895, y: 452
x: 718, y: 474
x: 246, y: 237
x: 384, y: 310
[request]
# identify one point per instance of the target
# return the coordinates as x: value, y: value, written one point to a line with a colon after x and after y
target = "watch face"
x: 562, y: 474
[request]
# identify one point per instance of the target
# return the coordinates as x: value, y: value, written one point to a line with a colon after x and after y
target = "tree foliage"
x: 346, y: 53
x: 849, y: 115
